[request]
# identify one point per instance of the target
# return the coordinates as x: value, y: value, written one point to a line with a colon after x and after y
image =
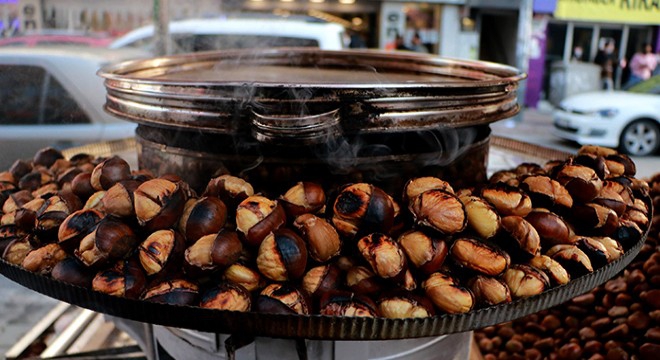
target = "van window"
x: 230, y: 41
x: 32, y: 96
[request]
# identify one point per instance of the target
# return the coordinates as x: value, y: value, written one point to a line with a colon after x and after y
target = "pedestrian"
x: 418, y: 45
x: 642, y: 65
x: 400, y: 43
x: 607, y: 60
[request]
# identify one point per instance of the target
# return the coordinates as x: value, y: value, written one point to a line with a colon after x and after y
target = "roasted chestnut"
x: 628, y: 233
x: 19, y: 169
x: 595, y: 162
x: 519, y: 237
x: 622, y: 162
x: 529, y: 169
x: 212, y: 252
x: 596, y: 251
x: 479, y: 257
x: 362, y: 280
x: 71, y: 271
x: 321, y: 279
x: 35, y: 179
x: 16, y: 201
x: 46, y: 156
x: 110, y: 172
x: 119, y: 198
x: 231, y: 190
x: 347, y: 304
x: 416, y: 186
x: 525, y: 281
x: 574, y: 260
x: 282, y: 256
x: 227, y: 296
x: 125, y: 279
x: 257, y: 216
x: 384, y: 255
x: 16, y: 251
x: 639, y: 213
x: 95, y: 201
x: 546, y: 193
x: 424, y: 252
x: 160, y: 251
x: 482, y: 217
x: 555, y: 272
x: 594, y: 219
x: 505, y: 177
x: 439, y: 210
x: 489, y: 291
x: 581, y: 182
x: 110, y: 240
x: 596, y: 150
x: 282, y: 299
x: 403, y: 305
x: 43, y: 259
x: 174, y: 292
x: 202, y: 217
x: 611, y: 198
x: 552, y: 228
x: 81, y: 185
x: 361, y: 209
x: 445, y: 293
x: 158, y: 204
x: 245, y: 276
x: 304, y: 198
x: 76, y: 226
x: 507, y: 200
x: 323, y: 242
x: 613, y: 247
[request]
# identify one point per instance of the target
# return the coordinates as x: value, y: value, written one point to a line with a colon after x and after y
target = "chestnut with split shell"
x: 361, y: 209
x: 282, y: 298
x: 227, y: 296
x: 440, y: 211
x: 257, y: 216
x: 282, y: 256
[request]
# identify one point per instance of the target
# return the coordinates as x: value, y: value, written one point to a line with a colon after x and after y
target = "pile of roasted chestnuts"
x: 350, y: 251
x: 618, y: 320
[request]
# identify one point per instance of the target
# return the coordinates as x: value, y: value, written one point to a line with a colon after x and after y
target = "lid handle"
x: 292, y: 130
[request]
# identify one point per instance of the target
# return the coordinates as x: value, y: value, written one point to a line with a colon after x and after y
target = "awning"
x: 615, y: 11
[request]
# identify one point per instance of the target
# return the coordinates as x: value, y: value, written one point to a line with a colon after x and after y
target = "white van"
x: 220, y: 33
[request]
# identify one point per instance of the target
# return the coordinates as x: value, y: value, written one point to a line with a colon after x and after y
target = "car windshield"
x: 650, y: 86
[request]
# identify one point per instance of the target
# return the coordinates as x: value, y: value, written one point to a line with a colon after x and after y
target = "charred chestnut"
x: 110, y: 240
x: 257, y: 216
x: 444, y: 291
x: 581, y: 182
x: 439, y: 210
x: 507, y: 200
x: 595, y: 219
x: 19, y: 169
x: 35, y: 179
x: 347, y: 304
x: 480, y: 257
x: 304, y: 198
x: 245, y: 276
x: 574, y: 260
x: 119, y: 198
x: 282, y: 299
x: 321, y: 279
x: 555, y: 272
x: 403, y: 305
x: 482, y: 217
x: 16, y: 200
x: 424, y: 252
x: 613, y: 247
x: 71, y: 271
x: 110, y: 172
x: 158, y: 204
x: 597, y: 252
x: 546, y: 193
x: 43, y: 259
x: 125, y: 279
x: 552, y: 228
x: 519, y: 237
x: 202, y: 217
x: 525, y: 281
x: 323, y: 242
x: 384, y: 255
x: 489, y: 291
x: 611, y: 198
x: 160, y: 251
x: 47, y: 157
x: 505, y: 177
x: 282, y: 256
x: 76, y: 226
x: 174, y: 292
x: 227, y: 296
x: 628, y: 233
x: 362, y: 209
x: 231, y: 190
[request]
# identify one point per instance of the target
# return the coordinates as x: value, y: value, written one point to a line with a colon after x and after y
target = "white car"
x: 194, y: 35
x: 51, y: 96
x: 627, y: 120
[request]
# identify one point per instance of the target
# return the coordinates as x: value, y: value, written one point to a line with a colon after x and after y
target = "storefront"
x: 578, y: 29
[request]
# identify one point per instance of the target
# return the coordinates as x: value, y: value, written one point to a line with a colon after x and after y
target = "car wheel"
x: 641, y: 137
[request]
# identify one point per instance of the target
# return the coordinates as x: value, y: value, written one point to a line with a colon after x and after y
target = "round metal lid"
x: 373, y: 91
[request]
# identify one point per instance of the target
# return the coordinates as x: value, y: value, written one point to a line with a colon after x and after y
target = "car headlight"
x: 608, y: 113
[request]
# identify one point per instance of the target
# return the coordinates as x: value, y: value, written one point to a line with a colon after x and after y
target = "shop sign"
x: 615, y: 11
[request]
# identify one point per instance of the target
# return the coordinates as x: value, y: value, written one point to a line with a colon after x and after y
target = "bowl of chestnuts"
x: 348, y: 262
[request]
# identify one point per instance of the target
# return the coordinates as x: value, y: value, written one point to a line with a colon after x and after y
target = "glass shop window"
x: 32, y: 96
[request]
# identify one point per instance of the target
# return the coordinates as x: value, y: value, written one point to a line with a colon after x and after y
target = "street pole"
x: 163, y: 45
x: 523, y: 43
